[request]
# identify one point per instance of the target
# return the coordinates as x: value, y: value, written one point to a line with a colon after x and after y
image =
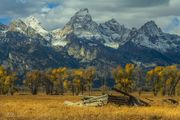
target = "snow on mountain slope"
x: 150, y: 36
x: 86, y: 43
x: 18, y: 25
x: 36, y: 25
x: 21, y: 31
x: 151, y: 29
x: 82, y: 20
x: 110, y: 33
x: 81, y: 25
x: 113, y: 33
x: 59, y: 36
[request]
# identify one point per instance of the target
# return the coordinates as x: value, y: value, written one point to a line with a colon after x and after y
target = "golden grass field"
x: 42, y: 107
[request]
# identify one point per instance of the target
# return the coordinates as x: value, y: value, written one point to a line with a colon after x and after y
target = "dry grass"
x: 42, y: 107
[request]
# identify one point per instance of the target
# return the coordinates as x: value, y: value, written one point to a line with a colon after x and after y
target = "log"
x: 94, y: 104
x: 171, y: 101
x: 91, y: 101
x: 103, y: 99
x: 94, y: 97
x: 118, y: 99
x: 81, y: 104
x: 87, y: 97
x: 133, y: 101
x: 122, y: 92
x: 96, y: 101
x: 68, y: 103
x: 149, y: 99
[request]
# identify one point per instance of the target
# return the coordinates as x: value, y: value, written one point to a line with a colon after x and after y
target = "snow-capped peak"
x: 83, y: 26
x: 150, y: 28
x: 81, y: 18
x: 33, y: 22
x: 17, y: 25
x: 114, y: 26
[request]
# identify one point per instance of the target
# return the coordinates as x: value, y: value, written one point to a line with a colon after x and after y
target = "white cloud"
x: 131, y: 13
x: 22, y: 8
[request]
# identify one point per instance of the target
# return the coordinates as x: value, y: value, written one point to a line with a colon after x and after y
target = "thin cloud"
x: 21, y: 8
x: 132, y: 13
x: 56, y: 13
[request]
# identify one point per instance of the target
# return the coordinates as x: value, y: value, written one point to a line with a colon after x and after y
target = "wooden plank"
x: 103, y: 99
x: 132, y: 99
x: 122, y: 92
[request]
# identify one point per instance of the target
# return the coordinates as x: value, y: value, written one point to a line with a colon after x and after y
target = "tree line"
x: 164, y: 79
x: 160, y: 79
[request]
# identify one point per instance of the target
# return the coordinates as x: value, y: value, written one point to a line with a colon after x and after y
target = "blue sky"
x: 132, y: 13
x: 173, y: 24
x: 52, y: 5
x: 5, y: 20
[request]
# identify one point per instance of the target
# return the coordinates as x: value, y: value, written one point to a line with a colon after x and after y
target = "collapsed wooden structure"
x: 93, y: 101
x: 96, y: 101
x: 171, y: 101
x: 127, y: 99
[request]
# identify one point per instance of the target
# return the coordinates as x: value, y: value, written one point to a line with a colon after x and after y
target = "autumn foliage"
x: 164, y: 79
x: 131, y: 77
x: 7, y: 80
x: 59, y: 80
x: 124, y: 77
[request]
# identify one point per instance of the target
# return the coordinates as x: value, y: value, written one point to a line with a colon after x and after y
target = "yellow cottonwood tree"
x: 7, y: 80
x: 154, y: 78
x: 124, y: 77
x: 89, y: 76
x: 58, y: 76
x: 164, y: 78
x: 33, y: 79
x: 78, y: 81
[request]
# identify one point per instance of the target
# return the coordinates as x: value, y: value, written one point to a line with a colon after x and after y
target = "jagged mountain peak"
x: 32, y: 19
x: 113, y: 33
x: 17, y: 21
x: 34, y: 23
x: 81, y: 18
x: 82, y: 42
x: 151, y: 25
x: 114, y: 25
x: 151, y: 36
x: 113, y: 21
x: 82, y: 25
x: 18, y: 25
x: 151, y: 28
x: 151, y: 22
x: 83, y: 11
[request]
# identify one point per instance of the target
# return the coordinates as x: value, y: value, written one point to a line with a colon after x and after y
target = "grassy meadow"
x: 43, y: 107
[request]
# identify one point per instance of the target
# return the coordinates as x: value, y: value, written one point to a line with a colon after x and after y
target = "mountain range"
x: 26, y: 45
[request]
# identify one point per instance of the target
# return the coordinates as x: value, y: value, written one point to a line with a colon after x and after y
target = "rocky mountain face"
x: 113, y: 33
x: 23, y: 48
x: 26, y: 45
